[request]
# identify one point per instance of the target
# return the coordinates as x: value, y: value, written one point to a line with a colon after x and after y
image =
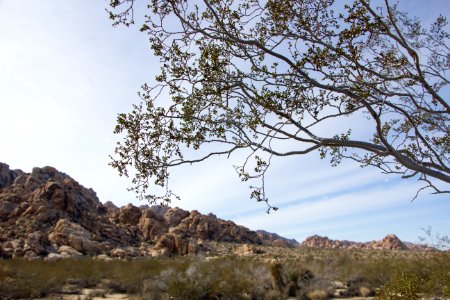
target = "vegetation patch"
x: 330, y: 273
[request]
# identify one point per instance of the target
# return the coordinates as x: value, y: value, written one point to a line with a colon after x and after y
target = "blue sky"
x: 65, y: 74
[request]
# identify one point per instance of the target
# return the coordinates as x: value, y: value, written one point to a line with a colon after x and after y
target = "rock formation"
x: 317, y: 241
x: 273, y: 239
x: 390, y: 242
x: 47, y: 212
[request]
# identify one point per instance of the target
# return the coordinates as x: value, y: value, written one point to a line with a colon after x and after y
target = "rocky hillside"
x: 273, y: 239
x: 390, y: 242
x: 47, y: 213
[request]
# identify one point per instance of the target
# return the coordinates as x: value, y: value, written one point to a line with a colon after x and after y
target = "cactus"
x: 275, y: 268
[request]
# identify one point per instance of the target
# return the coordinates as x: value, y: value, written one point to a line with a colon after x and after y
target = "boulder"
x: 73, y: 235
x: 103, y: 257
x: 53, y: 257
x: 7, y: 176
x: 246, y: 250
x: 152, y: 225
x: 127, y: 215
x: 176, y: 245
x: 173, y: 216
x: 7, y: 208
x: 68, y: 251
x: 13, y: 248
x: 126, y: 252
x: 58, y: 196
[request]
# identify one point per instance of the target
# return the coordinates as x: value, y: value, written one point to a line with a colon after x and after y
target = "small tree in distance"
x: 268, y: 76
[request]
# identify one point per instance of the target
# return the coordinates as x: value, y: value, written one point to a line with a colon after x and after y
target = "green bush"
x: 401, y: 288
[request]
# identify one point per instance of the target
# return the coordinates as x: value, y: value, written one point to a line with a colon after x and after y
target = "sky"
x: 65, y: 74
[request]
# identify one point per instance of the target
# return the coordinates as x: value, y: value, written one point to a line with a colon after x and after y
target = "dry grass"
x: 231, y: 277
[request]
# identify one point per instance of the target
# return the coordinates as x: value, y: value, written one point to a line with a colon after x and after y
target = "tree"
x: 268, y: 76
x: 435, y: 240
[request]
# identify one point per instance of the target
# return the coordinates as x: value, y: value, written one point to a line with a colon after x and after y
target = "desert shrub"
x: 154, y: 289
x: 232, y: 278
x: 359, y: 286
x: 446, y: 289
x: 297, y: 272
x: 189, y: 284
x: 20, y: 278
x: 87, y: 272
x: 436, y: 280
x: 291, y: 289
x: 293, y: 276
x: 401, y: 288
x: 273, y: 295
x: 130, y: 276
x: 96, y: 293
x: 306, y: 275
x: 127, y: 277
x: 225, y: 278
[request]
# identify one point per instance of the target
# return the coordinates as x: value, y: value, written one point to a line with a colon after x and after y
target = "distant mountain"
x: 273, y: 239
x: 389, y: 242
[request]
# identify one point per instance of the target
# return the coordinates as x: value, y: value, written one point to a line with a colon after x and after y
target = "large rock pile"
x: 324, y: 242
x: 390, y: 242
x: 47, y: 213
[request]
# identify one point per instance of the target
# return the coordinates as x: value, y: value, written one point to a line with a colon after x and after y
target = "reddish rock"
x: 245, y: 250
x: 152, y: 225
x: 73, y: 235
x: 174, y: 216
x: 273, y: 239
x: 390, y: 242
x: 282, y: 243
x: 47, y: 210
x: 127, y: 215
x: 175, y: 244
x: 68, y: 251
